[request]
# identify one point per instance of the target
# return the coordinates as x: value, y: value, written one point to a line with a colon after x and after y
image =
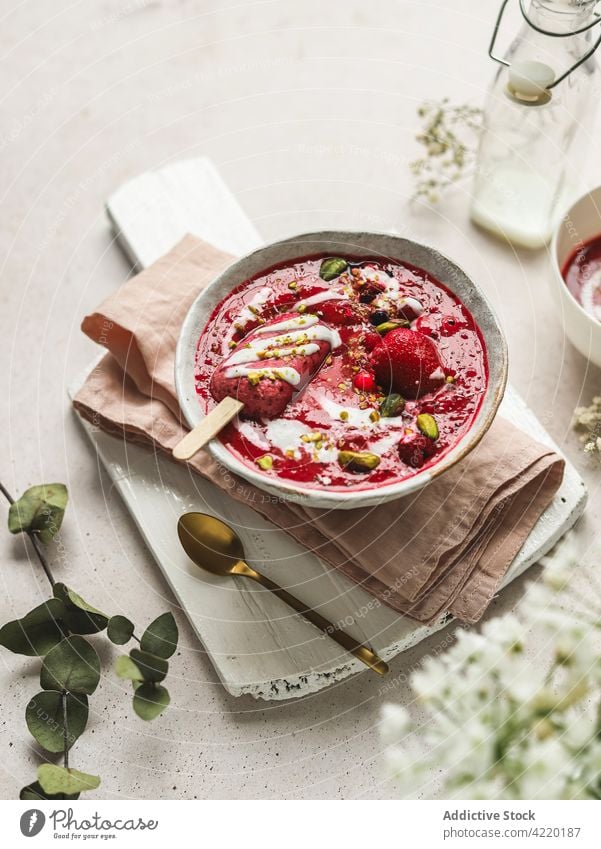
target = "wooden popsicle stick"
x: 209, y: 427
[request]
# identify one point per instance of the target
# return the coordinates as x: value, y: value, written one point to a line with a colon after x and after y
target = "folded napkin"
x: 444, y: 549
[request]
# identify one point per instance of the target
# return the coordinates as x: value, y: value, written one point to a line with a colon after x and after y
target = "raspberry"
x: 415, y: 449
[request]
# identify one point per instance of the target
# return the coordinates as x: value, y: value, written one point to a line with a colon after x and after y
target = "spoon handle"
x: 361, y: 652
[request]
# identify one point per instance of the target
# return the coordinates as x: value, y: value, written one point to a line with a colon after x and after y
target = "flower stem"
x: 34, y: 540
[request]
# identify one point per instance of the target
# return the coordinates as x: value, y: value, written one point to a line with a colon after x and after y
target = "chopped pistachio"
x: 427, y: 425
x: 449, y: 378
x: 392, y: 325
x: 374, y: 416
x: 316, y: 436
x: 265, y: 462
x: 301, y: 308
x: 254, y: 377
x: 332, y: 267
x: 358, y: 461
x: 392, y: 405
x: 293, y: 285
x: 344, y: 415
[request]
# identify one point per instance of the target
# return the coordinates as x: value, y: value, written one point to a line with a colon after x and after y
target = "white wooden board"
x: 259, y: 647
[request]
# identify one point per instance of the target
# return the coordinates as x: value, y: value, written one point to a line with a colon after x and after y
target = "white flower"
x: 503, y: 724
x: 526, y: 679
x: 395, y: 724
x: 580, y: 728
x: 506, y: 631
x: 547, y: 765
x: 428, y: 682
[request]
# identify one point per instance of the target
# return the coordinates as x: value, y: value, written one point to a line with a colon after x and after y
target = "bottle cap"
x: 528, y: 82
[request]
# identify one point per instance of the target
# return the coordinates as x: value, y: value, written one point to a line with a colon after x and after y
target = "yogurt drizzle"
x: 306, y: 330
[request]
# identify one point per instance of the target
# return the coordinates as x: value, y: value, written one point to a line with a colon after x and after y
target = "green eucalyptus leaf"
x: 332, y: 267
x: 34, y: 793
x: 56, y: 779
x: 45, y: 719
x: 120, y: 630
x: 37, y: 632
x: 153, y: 668
x: 39, y: 510
x: 160, y: 638
x: 150, y: 700
x: 81, y: 617
x: 71, y: 665
x: 126, y: 668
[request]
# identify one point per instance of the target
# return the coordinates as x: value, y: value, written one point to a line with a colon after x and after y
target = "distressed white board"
x: 258, y: 646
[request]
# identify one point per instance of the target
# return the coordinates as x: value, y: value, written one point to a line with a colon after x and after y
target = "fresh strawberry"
x: 407, y: 362
x: 339, y: 312
x: 371, y: 340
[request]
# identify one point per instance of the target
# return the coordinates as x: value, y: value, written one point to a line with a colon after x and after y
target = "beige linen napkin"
x: 443, y: 549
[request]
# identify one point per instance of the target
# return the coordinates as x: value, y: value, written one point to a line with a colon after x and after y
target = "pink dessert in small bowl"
x: 354, y: 373
x: 362, y: 376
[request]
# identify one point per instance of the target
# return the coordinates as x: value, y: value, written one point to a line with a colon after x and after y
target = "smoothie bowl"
x: 367, y: 365
x: 576, y: 259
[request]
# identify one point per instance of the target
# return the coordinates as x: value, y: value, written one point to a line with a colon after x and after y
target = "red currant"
x: 364, y: 381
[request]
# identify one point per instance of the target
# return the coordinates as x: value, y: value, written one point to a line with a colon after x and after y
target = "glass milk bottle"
x: 536, y: 121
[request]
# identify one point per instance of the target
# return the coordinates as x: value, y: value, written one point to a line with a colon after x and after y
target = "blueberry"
x: 378, y: 317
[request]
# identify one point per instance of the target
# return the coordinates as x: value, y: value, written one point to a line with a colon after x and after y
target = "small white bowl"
x: 333, y: 243
x: 580, y: 224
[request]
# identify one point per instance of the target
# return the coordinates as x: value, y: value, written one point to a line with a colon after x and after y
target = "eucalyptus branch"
x: 34, y: 540
x: 70, y: 671
x: 65, y: 729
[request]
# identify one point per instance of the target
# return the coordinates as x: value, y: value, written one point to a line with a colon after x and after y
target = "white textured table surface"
x: 309, y: 112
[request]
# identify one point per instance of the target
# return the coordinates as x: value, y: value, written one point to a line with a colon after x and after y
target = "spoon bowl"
x: 215, y: 547
x: 210, y: 543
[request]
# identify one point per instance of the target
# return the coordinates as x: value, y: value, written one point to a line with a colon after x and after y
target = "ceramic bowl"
x: 380, y: 246
x: 581, y: 223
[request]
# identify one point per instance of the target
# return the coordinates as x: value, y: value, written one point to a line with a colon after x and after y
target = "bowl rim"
x: 554, y: 258
x: 319, y: 497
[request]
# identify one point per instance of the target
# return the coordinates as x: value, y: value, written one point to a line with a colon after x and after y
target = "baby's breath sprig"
x: 450, y: 139
x: 587, y: 421
x: 504, y: 723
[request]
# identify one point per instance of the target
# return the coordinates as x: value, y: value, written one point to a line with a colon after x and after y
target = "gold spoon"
x: 214, y: 546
